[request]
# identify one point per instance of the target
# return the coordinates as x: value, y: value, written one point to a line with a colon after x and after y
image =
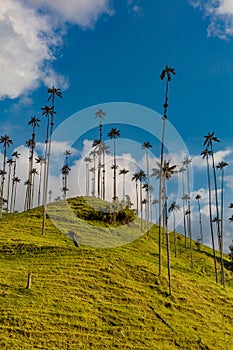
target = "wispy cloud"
x: 219, y: 14
x: 31, y: 36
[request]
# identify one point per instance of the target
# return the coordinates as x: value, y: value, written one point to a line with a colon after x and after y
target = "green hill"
x: 113, y: 298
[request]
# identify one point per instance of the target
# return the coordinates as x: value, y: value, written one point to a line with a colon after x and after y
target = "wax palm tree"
x: 92, y: 170
x: 148, y: 188
x: 166, y: 73
x: 41, y: 161
x: 221, y: 165
x: 141, y: 179
x: 104, y: 149
x: 186, y: 163
x: 50, y: 113
x: 167, y: 171
x: 136, y: 178
x: 205, y: 155
x: 16, y: 155
x: 53, y: 92
x: 10, y: 162
x: 123, y: 172
x: 209, y: 139
x: 100, y: 114
x: 173, y: 209
x: 6, y: 142
x: 16, y: 181
x: 114, y: 134
x: 34, y: 173
x: 182, y: 170
x: 93, y: 154
x: 198, y: 197
x: 34, y: 122
x: 65, y: 172
x: 96, y: 145
x: 87, y: 160
x: 146, y: 146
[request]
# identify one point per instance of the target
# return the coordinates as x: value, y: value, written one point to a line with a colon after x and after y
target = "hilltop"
x: 93, y: 298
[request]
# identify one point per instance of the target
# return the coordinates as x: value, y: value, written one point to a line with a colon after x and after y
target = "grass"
x: 112, y: 298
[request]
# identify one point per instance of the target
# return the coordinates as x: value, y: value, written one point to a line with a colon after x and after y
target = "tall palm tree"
x: 209, y: 139
x: 96, y: 144
x: 16, y: 181
x: 184, y: 201
x: 34, y: 122
x: 198, y: 197
x: 16, y: 155
x: 167, y: 172
x: 146, y: 146
x: 50, y: 113
x: 41, y: 161
x: 87, y: 160
x: 173, y: 208
x: 65, y: 172
x: 166, y: 73
x: 93, y: 154
x: 123, y: 172
x: 221, y: 165
x: 104, y: 150
x: 141, y: 178
x: 100, y: 114
x: 187, y: 161
x: 10, y: 162
x: 114, y: 134
x: 6, y: 141
x: 34, y: 173
x: 205, y: 154
x: 136, y: 178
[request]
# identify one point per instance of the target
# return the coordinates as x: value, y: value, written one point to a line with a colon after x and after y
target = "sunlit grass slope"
x: 92, y: 298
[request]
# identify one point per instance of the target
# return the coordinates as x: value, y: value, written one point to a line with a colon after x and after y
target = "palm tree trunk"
x: 160, y: 197
x: 2, y: 181
x: 211, y: 221
x: 218, y: 221
x: 114, y: 172
x: 221, y: 251
x: 200, y: 222
x: 8, y: 188
x: 46, y: 178
x: 167, y: 244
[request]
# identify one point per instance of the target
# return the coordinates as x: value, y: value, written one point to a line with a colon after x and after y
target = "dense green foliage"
x: 89, y: 298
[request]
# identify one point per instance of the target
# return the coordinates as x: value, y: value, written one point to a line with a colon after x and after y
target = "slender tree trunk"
x: 161, y: 210
x: 211, y: 220
x: 8, y: 188
x: 2, y: 181
x: 200, y: 222
x: 114, y: 172
x: 174, y: 230
x: 218, y: 221
x: 221, y: 251
x: 168, y: 244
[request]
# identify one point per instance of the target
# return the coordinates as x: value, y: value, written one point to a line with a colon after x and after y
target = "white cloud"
x: 219, y: 156
x: 220, y: 14
x: 81, y: 12
x: 31, y: 32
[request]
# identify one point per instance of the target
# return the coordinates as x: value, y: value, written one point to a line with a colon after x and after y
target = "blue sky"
x: 101, y: 51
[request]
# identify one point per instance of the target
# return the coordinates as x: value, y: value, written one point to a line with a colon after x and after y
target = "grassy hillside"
x: 92, y: 298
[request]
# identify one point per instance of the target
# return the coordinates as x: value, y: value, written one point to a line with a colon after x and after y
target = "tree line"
x: 96, y: 185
